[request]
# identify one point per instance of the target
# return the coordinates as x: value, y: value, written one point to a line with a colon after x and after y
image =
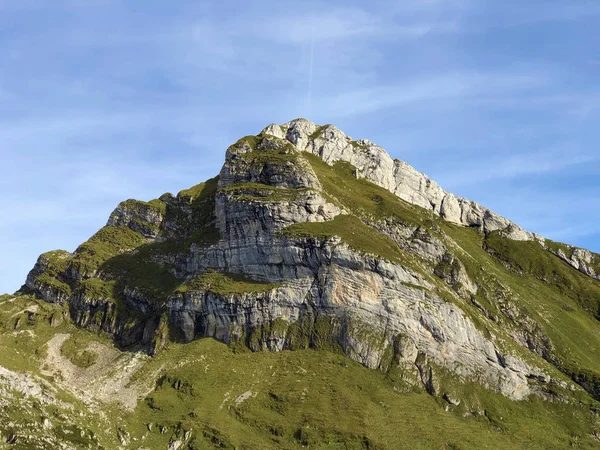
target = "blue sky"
x: 104, y: 100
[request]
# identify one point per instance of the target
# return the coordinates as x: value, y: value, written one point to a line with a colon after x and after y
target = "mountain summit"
x: 308, y: 239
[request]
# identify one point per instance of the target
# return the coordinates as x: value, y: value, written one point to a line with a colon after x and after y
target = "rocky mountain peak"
x: 310, y: 239
x: 268, y: 160
x: 398, y: 177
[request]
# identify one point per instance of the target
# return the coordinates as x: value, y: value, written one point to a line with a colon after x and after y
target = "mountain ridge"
x: 271, y: 161
x: 309, y: 240
x: 336, y: 145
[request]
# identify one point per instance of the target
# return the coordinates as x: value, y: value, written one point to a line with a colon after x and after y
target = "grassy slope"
x: 362, y: 197
x: 364, y: 201
x: 221, y: 283
x: 23, y: 338
x: 139, y: 269
x: 262, y: 192
x: 563, y: 302
x: 263, y: 400
x: 555, y: 305
x: 353, y: 231
x: 326, y: 400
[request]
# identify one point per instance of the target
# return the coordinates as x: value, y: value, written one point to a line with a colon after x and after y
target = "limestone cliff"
x: 373, y: 163
x: 308, y: 239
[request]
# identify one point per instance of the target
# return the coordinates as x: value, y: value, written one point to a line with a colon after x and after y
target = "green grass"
x: 23, y: 351
x: 57, y: 260
x: 225, y: 284
x: 362, y: 197
x: 57, y: 285
x: 353, y: 232
x: 554, y: 247
x: 320, y: 399
x: 199, y: 192
x: 358, y: 146
x: 75, y: 350
x: 554, y: 286
x: 124, y: 256
x: 546, y: 291
x: 564, y: 302
x: 324, y: 400
x: 318, y: 133
x: 54, y: 264
x: 107, y: 243
x: 569, y: 250
x: 200, y: 228
x: 447, y: 268
x: 138, y: 270
x: 158, y: 205
x: 530, y: 258
x: 376, y: 205
x: 126, y: 259
x: 98, y: 289
x: 250, y: 141
x: 303, y: 398
x: 138, y: 205
x: 266, y: 149
x: 18, y: 346
x: 262, y: 192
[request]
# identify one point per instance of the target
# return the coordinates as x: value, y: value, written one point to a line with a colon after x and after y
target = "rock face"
x: 270, y: 256
x: 142, y: 217
x: 373, y: 163
x: 581, y: 259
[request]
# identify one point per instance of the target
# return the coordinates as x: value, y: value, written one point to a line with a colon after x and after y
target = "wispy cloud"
x: 507, y: 13
x: 519, y: 165
x: 522, y: 13
x: 335, y: 24
x: 457, y: 85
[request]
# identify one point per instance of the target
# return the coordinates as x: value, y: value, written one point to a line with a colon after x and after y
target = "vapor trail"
x: 310, y: 67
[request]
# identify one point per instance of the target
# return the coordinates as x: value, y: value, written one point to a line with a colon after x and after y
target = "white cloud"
x: 472, y: 16
x: 333, y: 24
x: 478, y: 172
x: 457, y: 85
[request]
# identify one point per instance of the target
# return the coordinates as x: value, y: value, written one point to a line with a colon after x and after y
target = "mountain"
x: 351, y: 302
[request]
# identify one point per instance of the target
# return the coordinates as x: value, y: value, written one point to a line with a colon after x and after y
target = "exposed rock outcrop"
x: 581, y: 259
x: 266, y: 256
x: 373, y: 163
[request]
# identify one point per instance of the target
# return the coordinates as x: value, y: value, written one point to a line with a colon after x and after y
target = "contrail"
x: 310, y: 67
